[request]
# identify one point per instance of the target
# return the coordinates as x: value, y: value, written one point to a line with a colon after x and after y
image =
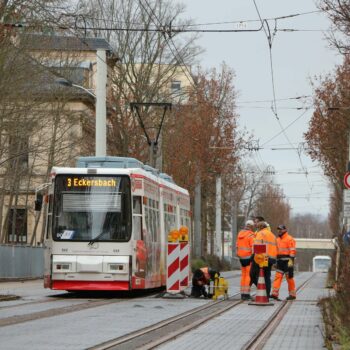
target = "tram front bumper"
x: 90, y: 269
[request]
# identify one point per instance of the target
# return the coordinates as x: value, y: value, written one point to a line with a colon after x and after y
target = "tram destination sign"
x: 74, y: 182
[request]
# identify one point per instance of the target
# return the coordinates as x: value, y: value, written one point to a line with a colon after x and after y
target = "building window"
x: 17, y: 225
x: 18, y: 151
x: 175, y: 86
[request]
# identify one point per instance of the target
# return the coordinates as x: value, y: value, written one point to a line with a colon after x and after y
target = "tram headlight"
x: 63, y: 267
x: 117, y: 267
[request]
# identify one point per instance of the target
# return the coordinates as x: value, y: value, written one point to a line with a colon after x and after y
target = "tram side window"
x: 151, y: 223
x: 49, y: 218
x: 185, y: 219
x: 137, y: 218
x: 152, y: 219
x: 169, y: 218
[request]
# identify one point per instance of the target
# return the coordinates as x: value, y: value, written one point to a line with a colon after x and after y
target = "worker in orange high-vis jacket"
x: 244, y: 246
x: 264, y: 236
x: 285, y: 263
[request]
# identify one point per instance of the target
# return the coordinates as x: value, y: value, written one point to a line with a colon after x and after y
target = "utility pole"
x: 344, y: 220
x: 197, y: 244
x: 218, y: 229
x: 101, y: 110
x: 234, y: 228
x: 155, y: 154
x: 348, y: 169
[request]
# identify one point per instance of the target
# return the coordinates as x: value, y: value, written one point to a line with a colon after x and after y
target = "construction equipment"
x: 218, y: 287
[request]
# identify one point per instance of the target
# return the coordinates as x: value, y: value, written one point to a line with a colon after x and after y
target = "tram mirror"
x: 38, y: 202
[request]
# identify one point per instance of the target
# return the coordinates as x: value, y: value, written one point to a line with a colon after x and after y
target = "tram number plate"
x: 115, y: 250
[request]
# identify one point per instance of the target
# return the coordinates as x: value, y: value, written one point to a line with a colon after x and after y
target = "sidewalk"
x: 301, y: 328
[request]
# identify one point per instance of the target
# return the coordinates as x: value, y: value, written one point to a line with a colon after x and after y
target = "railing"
x: 20, y: 261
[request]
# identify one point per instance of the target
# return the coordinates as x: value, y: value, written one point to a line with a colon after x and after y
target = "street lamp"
x: 100, y: 96
x: 65, y: 82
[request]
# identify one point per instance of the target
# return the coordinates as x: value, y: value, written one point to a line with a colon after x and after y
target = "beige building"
x: 64, y: 125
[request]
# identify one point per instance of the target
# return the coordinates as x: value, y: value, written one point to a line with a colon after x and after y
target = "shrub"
x: 197, y: 264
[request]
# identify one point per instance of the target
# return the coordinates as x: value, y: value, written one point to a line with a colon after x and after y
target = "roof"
x: 63, y: 43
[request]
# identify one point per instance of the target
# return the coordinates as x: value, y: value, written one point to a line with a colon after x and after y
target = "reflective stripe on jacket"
x: 285, y: 246
x: 244, y: 244
x: 265, y: 236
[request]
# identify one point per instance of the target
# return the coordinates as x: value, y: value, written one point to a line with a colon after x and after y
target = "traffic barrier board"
x: 173, y: 268
x: 184, y: 265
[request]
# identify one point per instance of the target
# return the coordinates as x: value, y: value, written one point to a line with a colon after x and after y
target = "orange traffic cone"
x: 261, y: 297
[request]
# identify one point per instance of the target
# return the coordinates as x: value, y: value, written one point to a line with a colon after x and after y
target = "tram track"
x: 264, y: 333
x: 17, y: 319
x: 14, y: 320
x: 157, y: 334
x: 33, y: 302
x: 163, y: 331
x: 63, y: 298
x: 59, y: 297
x: 57, y: 311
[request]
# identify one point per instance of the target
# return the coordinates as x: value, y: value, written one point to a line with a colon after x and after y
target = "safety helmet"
x: 249, y: 223
x: 281, y: 227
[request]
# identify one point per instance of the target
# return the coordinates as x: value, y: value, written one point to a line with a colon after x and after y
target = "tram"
x: 107, y: 223
x: 321, y: 263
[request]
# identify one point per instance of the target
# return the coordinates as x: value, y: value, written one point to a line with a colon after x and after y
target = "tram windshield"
x: 91, y: 208
x: 322, y: 264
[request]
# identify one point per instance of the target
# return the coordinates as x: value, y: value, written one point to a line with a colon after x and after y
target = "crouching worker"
x: 201, y: 278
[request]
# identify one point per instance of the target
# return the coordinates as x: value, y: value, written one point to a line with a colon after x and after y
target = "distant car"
x: 321, y: 263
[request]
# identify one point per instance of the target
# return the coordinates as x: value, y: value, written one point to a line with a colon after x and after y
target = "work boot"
x: 291, y: 297
x: 275, y: 297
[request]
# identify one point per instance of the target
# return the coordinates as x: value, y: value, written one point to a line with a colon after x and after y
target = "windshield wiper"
x: 97, y: 238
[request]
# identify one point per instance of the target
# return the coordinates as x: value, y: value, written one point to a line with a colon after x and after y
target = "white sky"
x: 297, y: 57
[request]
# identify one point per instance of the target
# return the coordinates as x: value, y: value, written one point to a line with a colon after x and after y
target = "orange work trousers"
x: 278, y: 281
x: 245, y: 280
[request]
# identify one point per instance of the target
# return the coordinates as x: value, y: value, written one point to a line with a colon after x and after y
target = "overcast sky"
x: 297, y: 58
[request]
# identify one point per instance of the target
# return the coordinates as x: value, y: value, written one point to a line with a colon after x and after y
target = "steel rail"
x: 17, y: 319
x: 40, y: 301
x: 63, y: 297
x: 163, y: 331
x: 49, y: 299
x: 264, y: 332
x: 14, y: 320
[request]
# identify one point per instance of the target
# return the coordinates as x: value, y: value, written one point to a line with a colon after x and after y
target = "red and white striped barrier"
x: 173, y: 268
x: 184, y: 265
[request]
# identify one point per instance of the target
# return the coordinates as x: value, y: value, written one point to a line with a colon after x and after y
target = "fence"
x: 17, y: 261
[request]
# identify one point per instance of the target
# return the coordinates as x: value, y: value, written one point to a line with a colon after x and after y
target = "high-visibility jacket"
x: 285, y: 247
x: 244, y: 244
x: 265, y: 236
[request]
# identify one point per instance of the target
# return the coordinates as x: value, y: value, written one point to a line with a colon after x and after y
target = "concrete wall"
x: 304, y: 257
x: 18, y: 261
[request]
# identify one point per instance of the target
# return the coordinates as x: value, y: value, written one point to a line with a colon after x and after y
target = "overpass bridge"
x: 307, y: 248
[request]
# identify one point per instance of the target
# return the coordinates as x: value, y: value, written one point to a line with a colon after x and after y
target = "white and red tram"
x: 107, y: 225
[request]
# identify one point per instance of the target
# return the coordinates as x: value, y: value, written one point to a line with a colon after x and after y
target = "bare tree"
x: 149, y: 61
x: 309, y: 226
x: 36, y: 123
x: 338, y: 12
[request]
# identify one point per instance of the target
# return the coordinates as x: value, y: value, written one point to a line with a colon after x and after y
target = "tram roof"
x: 120, y: 165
